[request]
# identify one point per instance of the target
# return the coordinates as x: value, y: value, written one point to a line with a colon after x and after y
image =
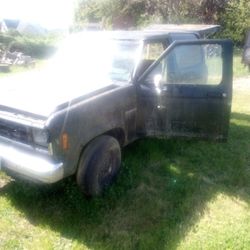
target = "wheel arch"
x: 117, y: 133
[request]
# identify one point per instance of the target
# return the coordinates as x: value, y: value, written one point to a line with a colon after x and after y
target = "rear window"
x: 188, y: 56
x: 182, y: 36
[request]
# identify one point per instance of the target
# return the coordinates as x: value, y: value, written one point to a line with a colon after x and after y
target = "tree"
x: 124, y: 13
x: 236, y: 20
x: 233, y: 15
x: 206, y: 11
x: 128, y: 13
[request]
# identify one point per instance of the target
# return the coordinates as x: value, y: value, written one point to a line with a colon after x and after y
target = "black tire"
x: 99, y: 165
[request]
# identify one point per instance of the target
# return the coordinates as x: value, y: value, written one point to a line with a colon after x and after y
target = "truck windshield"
x: 96, y: 58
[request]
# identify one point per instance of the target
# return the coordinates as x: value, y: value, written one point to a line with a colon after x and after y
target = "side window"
x: 151, y: 51
x: 189, y: 64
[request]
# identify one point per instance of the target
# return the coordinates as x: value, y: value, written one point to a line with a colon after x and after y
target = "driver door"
x: 187, y: 92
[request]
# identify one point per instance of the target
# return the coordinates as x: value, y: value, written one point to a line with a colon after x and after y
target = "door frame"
x: 153, y: 96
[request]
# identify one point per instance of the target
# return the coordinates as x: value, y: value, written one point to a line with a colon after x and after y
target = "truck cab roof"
x: 203, y: 30
x: 135, y: 35
x: 159, y: 31
x: 145, y: 35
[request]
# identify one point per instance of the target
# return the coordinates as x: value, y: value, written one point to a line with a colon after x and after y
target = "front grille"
x: 15, y: 131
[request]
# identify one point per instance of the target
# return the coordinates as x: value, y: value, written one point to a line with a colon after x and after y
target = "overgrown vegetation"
x: 36, y: 46
x: 235, y: 20
x: 233, y: 15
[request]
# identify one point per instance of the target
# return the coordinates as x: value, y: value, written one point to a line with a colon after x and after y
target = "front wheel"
x: 99, y: 165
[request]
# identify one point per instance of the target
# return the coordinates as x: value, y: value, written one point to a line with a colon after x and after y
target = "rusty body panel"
x: 109, y: 112
x: 181, y: 103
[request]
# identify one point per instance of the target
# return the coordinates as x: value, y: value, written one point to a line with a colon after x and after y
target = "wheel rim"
x: 107, y: 172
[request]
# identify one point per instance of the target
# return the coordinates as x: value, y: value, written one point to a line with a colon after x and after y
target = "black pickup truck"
x: 104, y: 90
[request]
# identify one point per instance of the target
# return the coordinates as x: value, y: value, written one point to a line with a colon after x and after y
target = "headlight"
x: 40, y: 137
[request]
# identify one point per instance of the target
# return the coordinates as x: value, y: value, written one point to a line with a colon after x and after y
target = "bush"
x: 35, y: 46
x: 5, y: 40
x: 235, y: 21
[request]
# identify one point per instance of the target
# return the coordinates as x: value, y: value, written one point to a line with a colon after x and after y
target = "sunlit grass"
x: 15, y: 69
x: 223, y: 225
x: 239, y: 69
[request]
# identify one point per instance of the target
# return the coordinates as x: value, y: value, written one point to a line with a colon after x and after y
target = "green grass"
x: 239, y: 69
x: 14, y: 69
x: 173, y: 194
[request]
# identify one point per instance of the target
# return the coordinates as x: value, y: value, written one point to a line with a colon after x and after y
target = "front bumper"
x: 25, y: 161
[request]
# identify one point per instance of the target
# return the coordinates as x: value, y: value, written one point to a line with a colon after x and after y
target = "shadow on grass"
x: 160, y: 194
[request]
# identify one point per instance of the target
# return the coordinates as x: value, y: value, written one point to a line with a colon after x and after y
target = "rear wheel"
x: 99, y: 165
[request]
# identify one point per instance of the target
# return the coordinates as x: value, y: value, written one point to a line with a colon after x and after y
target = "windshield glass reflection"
x: 95, y: 58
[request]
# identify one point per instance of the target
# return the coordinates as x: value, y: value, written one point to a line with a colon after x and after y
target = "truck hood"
x: 41, y: 92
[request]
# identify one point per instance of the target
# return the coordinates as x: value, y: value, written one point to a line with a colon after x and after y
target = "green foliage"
x: 5, y: 40
x: 236, y: 20
x: 36, y: 46
x: 87, y: 11
x: 141, y: 12
x: 233, y: 15
x: 111, y: 13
